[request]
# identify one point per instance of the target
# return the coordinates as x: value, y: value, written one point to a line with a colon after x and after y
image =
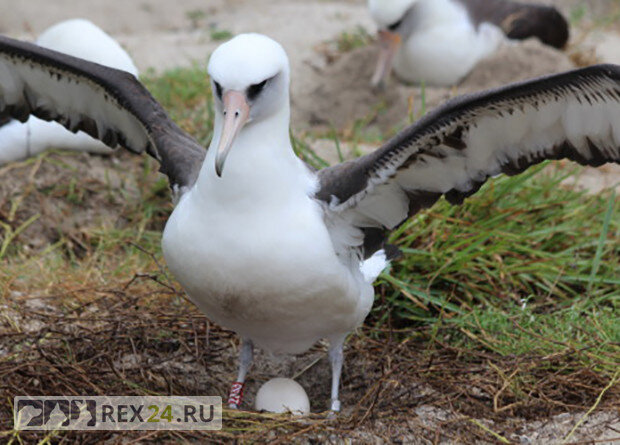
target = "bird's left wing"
x: 453, y: 150
x: 109, y: 104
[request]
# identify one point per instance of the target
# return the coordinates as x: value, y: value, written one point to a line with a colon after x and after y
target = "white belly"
x: 443, y: 55
x: 270, y: 274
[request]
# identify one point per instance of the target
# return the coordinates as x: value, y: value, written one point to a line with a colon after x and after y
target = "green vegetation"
x: 219, y: 35
x: 583, y: 12
x: 524, y: 267
x: 350, y: 40
x: 577, y: 14
x: 196, y: 17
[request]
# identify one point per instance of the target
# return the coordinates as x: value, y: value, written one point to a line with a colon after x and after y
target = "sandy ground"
x: 327, y: 91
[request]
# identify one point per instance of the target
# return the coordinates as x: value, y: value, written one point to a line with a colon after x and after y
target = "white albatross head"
x: 391, y: 17
x: 386, y: 13
x: 250, y: 80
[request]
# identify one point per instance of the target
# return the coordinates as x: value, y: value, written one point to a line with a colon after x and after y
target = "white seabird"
x: 263, y: 244
x: 440, y: 41
x: 79, y: 38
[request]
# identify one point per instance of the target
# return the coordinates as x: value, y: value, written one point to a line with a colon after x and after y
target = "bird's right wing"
x: 109, y: 104
x: 454, y: 149
x: 521, y: 20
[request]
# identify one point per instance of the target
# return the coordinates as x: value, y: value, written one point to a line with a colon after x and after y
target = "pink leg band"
x: 236, y: 394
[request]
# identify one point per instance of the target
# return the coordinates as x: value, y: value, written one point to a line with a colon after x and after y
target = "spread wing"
x: 521, y: 20
x: 453, y: 150
x: 108, y: 104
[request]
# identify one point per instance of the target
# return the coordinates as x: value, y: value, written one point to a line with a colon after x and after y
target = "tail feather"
x: 521, y: 20
x: 373, y: 266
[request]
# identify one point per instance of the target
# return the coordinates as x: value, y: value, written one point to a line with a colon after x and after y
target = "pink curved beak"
x: 389, y: 42
x: 236, y: 115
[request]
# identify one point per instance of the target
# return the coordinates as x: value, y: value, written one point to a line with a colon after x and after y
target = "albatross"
x: 80, y: 38
x: 440, y: 41
x: 280, y: 253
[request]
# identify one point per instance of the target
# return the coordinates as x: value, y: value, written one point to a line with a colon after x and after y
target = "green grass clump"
x: 219, y: 35
x: 577, y: 14
x: 350, y: 40
x: 525, y: 266
x: 519, y: 237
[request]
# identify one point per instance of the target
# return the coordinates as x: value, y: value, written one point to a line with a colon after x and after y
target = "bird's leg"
x: 245, y: 360
x: 336, y: 359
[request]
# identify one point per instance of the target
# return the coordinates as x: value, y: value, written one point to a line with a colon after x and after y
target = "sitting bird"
x: 440, y: 41
x: 79, y: 38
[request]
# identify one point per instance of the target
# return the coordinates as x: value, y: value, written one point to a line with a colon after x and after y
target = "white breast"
x: 256, y: 257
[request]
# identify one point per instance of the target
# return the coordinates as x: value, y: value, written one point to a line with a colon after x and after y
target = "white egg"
x: 282, y: 395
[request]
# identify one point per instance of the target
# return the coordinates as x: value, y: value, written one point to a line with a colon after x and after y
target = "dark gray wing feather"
x: 5, y: 120
x: 453, y: 150
x: 109, y: 104
x: 521, y: 20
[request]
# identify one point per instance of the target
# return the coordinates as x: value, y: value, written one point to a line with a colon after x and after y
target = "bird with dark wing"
x: 265, y: 246
x: 440, y: 41
x: 80, y: 38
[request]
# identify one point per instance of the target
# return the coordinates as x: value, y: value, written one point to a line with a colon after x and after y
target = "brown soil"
x: 139, y: 337
x: 337, y: 93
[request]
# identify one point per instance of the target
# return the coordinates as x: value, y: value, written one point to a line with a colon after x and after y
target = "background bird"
x: 439, y: 41
x: 263, y: 244
x: 79, y: 38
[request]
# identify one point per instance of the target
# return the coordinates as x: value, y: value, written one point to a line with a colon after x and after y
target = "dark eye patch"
x: 218, y: 89
x: 254, y: 90
x: 394, y: 26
